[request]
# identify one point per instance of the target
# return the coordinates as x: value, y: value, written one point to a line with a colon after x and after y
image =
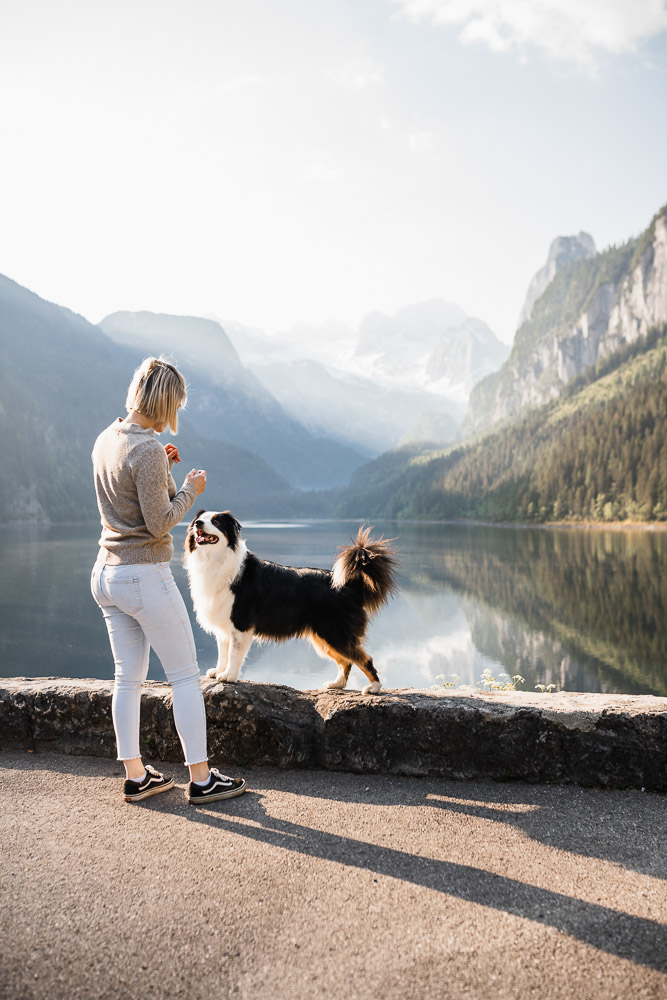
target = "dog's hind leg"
x: 322, y: 648
x: 342, y: 675
x: 239, y: 644
x: 222, y: 638
x: 365, y: 663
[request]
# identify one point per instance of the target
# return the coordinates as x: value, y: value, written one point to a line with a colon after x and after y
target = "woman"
x: 133, y: 585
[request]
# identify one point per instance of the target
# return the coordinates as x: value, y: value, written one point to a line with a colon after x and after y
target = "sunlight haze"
x: 306, y: 162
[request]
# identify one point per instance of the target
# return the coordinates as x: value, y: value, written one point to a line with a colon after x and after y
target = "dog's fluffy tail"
x: 372, y: 562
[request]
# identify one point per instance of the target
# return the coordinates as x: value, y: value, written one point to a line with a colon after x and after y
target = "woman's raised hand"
x: 198, y: 479
x: 172, y: 453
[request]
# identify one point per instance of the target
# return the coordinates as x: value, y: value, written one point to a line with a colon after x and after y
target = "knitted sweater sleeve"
x: 160, y: 507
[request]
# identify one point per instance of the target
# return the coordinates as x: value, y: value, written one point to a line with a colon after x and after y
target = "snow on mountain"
x: 400, y: 378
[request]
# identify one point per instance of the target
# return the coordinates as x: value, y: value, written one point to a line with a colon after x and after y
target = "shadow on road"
x: 590, y: 822
x: 633, y: 938
x: 581, y: 821
x: 622, y: 827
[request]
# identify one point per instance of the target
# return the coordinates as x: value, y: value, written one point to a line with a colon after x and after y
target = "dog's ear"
x: 234, y: 525
x: 229, y: 526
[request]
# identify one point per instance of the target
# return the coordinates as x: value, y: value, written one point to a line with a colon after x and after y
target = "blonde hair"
x: 157, y: 390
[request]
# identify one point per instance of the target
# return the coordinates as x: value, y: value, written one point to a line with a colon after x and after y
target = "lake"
x: 584, y: 610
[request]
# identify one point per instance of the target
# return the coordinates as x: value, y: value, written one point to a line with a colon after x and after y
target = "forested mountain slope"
x: 61, y: 382
x: 229, y: 403
x: 563, y: 250
x: 597, y: 453
x: 590, y: 309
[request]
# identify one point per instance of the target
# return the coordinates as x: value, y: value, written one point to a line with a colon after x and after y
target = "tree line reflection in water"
x: 583, y: 609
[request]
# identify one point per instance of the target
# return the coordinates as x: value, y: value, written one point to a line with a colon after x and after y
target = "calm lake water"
x: 586, y: 611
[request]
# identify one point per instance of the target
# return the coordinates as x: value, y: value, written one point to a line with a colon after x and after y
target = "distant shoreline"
x: 609, y: 526
x: 545, y: 525
x: 542, y: 525
x: 566, y: 525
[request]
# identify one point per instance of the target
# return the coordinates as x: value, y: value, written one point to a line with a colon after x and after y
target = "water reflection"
x: 583, y: 610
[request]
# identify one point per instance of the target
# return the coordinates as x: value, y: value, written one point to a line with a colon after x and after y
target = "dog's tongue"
x: 206, y: 539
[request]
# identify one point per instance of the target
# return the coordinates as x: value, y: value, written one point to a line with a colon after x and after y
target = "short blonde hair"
x: 157, y: 390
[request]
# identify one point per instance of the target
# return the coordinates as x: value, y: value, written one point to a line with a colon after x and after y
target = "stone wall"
x: 587, y: 739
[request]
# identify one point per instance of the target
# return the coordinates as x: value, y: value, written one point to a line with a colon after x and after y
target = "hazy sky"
x: 277, y: 161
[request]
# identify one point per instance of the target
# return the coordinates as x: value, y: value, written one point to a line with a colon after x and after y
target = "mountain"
x: 432, y: 346
x: 591, y: 308
x: 563, y: 250
x: 62, y: 381
x: 597, y: 453
x: 408, y: 336
x: 332, y: 401
x: 329, y: 344
x: 353, y: 409
x: 230, y: 404
x: 464, y: 356
x: 401, y: 378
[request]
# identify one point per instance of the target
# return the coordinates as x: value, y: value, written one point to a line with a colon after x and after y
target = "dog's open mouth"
x: 204, y: 539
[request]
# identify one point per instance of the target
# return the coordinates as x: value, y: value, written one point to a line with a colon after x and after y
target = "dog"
x: 238, y: 597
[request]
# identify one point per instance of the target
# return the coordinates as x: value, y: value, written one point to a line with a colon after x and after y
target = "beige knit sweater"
x: 136, y: 495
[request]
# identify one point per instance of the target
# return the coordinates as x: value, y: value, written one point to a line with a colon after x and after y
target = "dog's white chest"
x: 210, y: 579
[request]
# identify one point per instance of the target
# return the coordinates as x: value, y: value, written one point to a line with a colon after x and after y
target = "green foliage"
x: 447, y: 681
x: 61, y: 383
x: 644, y: 244
x: 596, y: 599
x: 597, y: 454
x: 571, y: 292
x: 503, y: 682
x: 569, y: 295
x: 605, y: 366
x: 488, y: 682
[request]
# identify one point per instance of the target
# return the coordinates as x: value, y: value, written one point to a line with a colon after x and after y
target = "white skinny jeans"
x: 143, y: 607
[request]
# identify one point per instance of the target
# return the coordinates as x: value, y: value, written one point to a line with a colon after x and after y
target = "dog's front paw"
x: 219, y: 675
x: 373, y: 688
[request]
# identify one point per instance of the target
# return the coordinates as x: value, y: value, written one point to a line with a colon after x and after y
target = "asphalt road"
x: 323, y: 885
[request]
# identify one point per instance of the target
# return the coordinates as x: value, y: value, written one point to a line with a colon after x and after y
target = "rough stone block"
x: 587, y: 739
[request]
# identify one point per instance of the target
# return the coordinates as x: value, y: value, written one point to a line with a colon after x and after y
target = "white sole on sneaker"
x: 149, y: 791
x: 216, y: 796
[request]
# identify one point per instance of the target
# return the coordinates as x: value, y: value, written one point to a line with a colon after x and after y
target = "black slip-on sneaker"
x: 218, y: 786
x: 154, y: 782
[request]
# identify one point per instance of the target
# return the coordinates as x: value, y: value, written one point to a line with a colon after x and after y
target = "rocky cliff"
x: 591, y: 307
x: 562, y: 251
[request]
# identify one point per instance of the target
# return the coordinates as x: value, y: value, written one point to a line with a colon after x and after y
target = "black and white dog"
x: 238, y: 597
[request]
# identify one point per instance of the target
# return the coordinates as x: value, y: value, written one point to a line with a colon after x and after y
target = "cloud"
x: 323, y: 169
x: 421, y: 143
x: 358, y: 74
x: 247, y: 81
x: 575, y: 31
